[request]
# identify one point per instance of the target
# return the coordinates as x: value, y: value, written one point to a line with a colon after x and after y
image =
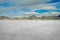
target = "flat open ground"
x: 29, y: 29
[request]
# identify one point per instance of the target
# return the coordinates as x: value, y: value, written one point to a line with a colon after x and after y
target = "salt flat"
x: 29, y: 29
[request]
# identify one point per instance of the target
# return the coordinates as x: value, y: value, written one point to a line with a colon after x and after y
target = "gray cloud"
x: 31, y: 7
x: 31, y: 4
x: 25, y: 2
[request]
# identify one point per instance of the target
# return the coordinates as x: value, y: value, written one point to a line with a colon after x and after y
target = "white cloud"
x: 45, y: 13
x: 49, y: 8
x: 42, y: 6
x: 55, y: 13
x: 31, y: 13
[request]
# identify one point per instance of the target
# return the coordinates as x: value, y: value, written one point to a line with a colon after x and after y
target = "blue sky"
x: 21, y: 7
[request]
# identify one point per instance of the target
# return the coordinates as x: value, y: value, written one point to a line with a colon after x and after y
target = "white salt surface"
x: 29, y: 29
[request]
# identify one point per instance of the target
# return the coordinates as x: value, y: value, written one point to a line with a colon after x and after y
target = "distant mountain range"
x: 32, y: 17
